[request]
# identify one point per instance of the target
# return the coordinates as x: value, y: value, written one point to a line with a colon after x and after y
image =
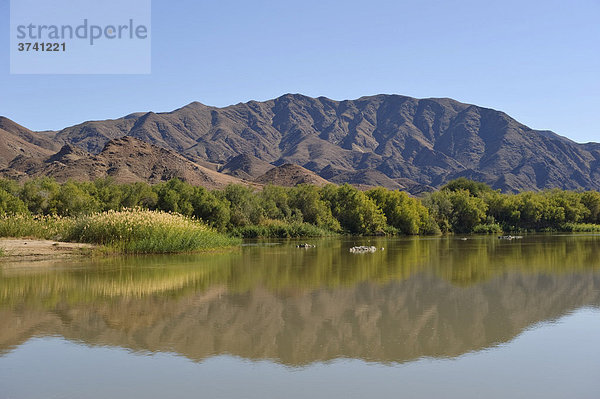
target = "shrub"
x: 406, y: 214
x: 581, y: 227
x: 473, y: 187
x: 279, y: 229
x: 488, y: 228
x: 307, y: 202
x: 9, y: 204
x: 356, y: 212
x: 245, y: 206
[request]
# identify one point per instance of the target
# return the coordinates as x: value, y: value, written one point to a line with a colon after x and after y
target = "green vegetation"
x: 139, y: 231
x: 488, y: 228
x: 48, y: 227
x: 581, y: 227
x: 41, y: 207
x: 277, y: 229
x: 127, y: 231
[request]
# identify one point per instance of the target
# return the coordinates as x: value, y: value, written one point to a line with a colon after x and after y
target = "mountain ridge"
x: 412, y: 142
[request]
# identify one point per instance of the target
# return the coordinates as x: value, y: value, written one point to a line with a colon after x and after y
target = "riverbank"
x: 27, y: 249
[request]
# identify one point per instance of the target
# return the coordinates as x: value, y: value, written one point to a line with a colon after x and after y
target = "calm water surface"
x: 425, y: 318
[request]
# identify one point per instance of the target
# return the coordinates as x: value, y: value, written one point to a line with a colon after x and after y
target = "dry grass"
x: 46, y: 227
x: 141, y: 231
x: 127, y: 231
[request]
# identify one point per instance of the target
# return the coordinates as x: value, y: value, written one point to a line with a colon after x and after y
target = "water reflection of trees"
x: 416, y: 298
x: 284, y: 268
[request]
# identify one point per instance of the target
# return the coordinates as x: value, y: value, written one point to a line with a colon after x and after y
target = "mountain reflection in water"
x: 419, y: 297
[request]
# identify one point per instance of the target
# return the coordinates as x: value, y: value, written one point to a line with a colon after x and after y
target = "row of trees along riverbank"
x: 462, y: 206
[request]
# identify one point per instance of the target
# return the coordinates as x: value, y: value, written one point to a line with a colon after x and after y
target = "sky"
x: 538, y: 61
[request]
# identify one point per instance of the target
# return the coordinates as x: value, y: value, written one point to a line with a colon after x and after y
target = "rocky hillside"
x: 15, y: 140
x: 415, y: 143
x: 246, y: 167
x: 126, y: 160
x: 290, y: 175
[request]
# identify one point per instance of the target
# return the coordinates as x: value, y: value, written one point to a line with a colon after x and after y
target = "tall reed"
x: 127, y: 231
x: 142, y: 231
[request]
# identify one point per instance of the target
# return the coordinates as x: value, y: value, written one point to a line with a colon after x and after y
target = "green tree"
x: 401, y: 211
x: 306, y: 202
x: 10, y: 204
x: 39, y: 195
x: 467, y: 211
x: 244, y: 205
x: 573, y: 210
x: 473, y: 187
x: 357, y: 213
x: 71, y: 200
x: 10, y: 186
x: 591, y: 200
x: 138, y: 195
x: 276, y: 202
x: 108, y: 194
x: 439, y: 206
x: 174, y: 196
x: 210, y: 209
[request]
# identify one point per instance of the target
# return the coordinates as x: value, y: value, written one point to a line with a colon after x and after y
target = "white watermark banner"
x: 80, y: 36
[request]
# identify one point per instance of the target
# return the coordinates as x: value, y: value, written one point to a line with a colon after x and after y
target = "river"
x: 422, y: 318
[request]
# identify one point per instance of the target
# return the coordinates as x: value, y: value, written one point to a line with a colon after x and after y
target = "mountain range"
x: 394, y: 141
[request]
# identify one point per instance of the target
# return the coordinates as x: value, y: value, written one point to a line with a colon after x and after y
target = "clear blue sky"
x: 539, y: 61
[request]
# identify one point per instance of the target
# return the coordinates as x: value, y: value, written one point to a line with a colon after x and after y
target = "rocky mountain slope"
x: 126, y: 160
x: 246, y: 166
x: 15, y: 140
x: 415, y: 143
x: 290, y: 175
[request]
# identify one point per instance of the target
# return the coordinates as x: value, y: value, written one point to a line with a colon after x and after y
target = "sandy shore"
x: 31, y: 249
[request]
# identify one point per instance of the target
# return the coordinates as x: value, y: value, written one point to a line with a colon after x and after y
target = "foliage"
x: 406, y: 214
x: 487, y: 228
x: 72, y: 199
x: 39, y: 195
x: 140, y: 231
x: 307, y: 203
x: 591, y: 201
x: 467, y: 211
x: 10, y: 204
x: 581, y: 227
x: 355, y: 211
x: 474, y: 188
x: 461, y: 206
x: 457, y: 211
x: 280, y: 229
x: 245, y: 206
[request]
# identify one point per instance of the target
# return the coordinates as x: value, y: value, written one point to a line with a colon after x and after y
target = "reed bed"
x: 39, y: 226
x: 126, y: 231
x: 142, y: 231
